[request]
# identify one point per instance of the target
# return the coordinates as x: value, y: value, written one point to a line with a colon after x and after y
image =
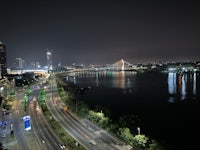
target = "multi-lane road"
x: 85, y: 132
x: 21, y: 139
x: 45, y: 137
x: 41, y: 137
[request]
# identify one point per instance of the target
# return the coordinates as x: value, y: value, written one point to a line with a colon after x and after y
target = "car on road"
x: 3, y: 135
x: 43, y: 141
x: 92, y: 142
x: 62, y: 146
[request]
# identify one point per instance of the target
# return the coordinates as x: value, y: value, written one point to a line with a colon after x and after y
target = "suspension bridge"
x: 123, y: 65
x: 120, y: 65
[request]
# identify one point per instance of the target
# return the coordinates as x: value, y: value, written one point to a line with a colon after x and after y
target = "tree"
x: 126, y: 135
x: 28, y: 91
x: 131, y: 122
x: 99, y: 118
x: 25, y: 102
x: 140, y: 141
x: 42, y: 96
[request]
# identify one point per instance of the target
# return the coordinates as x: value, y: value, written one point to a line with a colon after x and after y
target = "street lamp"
x: 138, y: 128
x: 1, y: 89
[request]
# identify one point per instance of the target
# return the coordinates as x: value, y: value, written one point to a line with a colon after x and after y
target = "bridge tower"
x: 123, y: 65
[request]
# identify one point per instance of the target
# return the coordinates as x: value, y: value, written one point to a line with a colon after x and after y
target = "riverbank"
x: 98, y: 117
x: 102, y: 138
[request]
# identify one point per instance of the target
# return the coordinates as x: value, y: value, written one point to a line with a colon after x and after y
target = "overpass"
x: 40, y: 72
x: 27, y: 70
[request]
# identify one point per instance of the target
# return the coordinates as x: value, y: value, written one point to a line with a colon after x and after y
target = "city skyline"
x: 100, y: 32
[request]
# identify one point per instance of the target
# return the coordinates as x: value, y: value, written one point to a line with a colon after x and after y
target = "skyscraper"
x: 3, y: 60
x: 49, y: 60
x: 19, y: 63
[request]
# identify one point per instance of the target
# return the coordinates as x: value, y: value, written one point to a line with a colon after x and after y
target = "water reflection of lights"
x: 184, y: 82
x: 172, y: 83
x: 121, y: 80
x: 171, y: 99
x: 171, y: 86
x: 194, y: 83
x: 97, y: 79
x: 178, y: 85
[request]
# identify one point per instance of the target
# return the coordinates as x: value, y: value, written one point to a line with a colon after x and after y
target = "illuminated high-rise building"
x: 49, y: 60
x: 3, y: 60
x: 20, y: 63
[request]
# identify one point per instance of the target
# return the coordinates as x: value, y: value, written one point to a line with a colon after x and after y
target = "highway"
x: 45, y: 137
x: 24, y: 139
x: 40, y: 137
x: 81, y: 129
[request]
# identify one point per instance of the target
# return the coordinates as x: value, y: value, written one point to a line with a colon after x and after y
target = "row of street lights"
x: 1, y: 106
x: 5, y: 85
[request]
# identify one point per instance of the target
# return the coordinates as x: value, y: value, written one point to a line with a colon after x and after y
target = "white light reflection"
x: 184, y: 81
x: 194, y: 83
x: 97, y: 79
x: 171, y: 85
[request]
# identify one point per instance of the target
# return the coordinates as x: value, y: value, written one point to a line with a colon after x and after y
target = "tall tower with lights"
x: 3, y: 60
x: 49, y: 60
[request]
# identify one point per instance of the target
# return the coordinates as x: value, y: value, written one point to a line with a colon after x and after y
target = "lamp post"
x: 138, y: 128
x: 1, y: 89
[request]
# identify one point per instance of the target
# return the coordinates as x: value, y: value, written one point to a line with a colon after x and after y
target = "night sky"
x: 100, y: 32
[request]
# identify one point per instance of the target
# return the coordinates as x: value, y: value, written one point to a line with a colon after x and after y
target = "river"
x: 168, y: 103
